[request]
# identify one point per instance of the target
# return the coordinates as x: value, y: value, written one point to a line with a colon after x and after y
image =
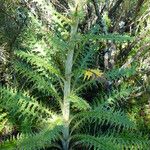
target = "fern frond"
x: 34, y: 141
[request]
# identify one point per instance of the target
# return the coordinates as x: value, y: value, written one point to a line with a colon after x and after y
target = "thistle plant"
x: 52, y: 61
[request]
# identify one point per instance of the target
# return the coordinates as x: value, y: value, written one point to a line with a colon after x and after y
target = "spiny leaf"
x: 38, y: 61
x: 78, y: 102
x: 34, y: 141
x: 103, y: 142
x: 24, y: 106
x: 106, y: 115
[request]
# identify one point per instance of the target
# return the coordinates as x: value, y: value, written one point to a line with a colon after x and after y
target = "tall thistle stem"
x: 67, y: 84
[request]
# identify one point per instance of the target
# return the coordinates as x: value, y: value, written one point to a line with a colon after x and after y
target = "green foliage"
x: 111, y: 37
x: 78, y: 102
x: 24, y: 107
x: 39, y: 62
x: 33, y: 141
x: 50, y: 58
x: 105, y: 115
x: 103, y: 142
x: 3, y: 120
x: 111, y: 142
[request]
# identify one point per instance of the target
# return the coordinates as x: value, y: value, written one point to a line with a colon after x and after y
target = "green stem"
x: 67, y: 86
